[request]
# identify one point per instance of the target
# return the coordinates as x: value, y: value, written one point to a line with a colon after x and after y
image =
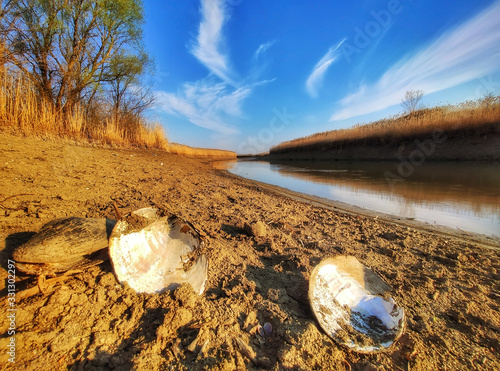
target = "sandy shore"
x: 447, y: 284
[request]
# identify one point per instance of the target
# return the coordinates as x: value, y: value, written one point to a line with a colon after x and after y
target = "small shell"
x: 268, y: 328
x: 344, y: 298
x: 150, y: 252
x: 261, y: 331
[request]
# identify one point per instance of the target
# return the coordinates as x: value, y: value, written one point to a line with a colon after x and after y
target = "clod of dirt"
x: 108, y: 280
x: 257, y: 229
x: 185, y: 295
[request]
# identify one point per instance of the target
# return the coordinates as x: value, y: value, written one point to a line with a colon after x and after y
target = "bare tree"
x: 128, y: 94
x: 411, y: 100
x: 66, y: 46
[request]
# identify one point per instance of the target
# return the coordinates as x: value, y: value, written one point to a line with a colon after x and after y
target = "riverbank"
x: 448, y: 286
x: 467, y: 131
x: 435, y: 146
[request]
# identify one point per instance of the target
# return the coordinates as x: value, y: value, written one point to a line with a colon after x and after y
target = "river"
x: 464, y: 196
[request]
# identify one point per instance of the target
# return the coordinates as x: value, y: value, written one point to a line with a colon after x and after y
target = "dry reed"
x: 181, y: 149
x: 479, y: 117
x: 23, y: 111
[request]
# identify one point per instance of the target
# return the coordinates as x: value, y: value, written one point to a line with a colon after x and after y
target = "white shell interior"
x: 151, y: 259
x: 340, y: 297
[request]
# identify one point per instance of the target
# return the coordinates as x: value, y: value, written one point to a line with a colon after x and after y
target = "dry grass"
x: 23, y: 112
x: 181, y: 149
x: 479, y: 117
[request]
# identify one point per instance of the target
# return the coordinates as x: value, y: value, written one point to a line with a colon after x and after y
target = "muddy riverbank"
x: 262, y: 247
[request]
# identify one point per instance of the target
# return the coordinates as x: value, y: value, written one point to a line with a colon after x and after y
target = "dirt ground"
x: 449, y: 288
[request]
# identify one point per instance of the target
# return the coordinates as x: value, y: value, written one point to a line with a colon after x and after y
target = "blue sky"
x: 245, y: 75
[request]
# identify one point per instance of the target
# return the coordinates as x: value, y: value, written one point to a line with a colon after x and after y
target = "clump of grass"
x: 476, y: 118
x: 181, y: 149
x: 22, y: 111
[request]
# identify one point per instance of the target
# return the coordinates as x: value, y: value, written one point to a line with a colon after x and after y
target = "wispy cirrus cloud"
x: 315, y: 79
x: 467, y: 52
x: 206, y: 104
x: 262, y: 49
x: 215, y: 102
x: 209, y: 45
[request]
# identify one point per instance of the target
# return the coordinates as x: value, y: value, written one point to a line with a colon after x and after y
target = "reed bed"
x: 23, y: 112
x: 181, y: 149
x: 480, y: 117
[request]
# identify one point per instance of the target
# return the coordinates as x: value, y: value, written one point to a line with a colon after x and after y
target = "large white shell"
x: 344, y: 296
x: 151, y: 257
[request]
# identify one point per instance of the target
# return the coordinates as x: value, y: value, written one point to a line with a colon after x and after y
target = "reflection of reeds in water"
x: 475, y: 186
x: 223, y: 165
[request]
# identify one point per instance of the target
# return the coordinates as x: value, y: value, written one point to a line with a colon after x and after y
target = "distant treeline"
x: 470, y: 118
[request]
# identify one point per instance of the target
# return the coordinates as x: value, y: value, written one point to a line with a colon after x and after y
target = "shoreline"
x: 489, y: 241
x: 262, y: 247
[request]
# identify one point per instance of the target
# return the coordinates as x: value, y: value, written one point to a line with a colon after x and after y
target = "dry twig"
x: 8, y: 198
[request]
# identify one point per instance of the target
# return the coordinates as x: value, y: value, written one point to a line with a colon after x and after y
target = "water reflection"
x: 459, y: 195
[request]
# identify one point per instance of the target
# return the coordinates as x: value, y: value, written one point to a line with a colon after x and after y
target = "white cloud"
x: 315, y: 79
x: 208, y: 48
x: 210, y: 105
x: 262, y: 49
x: 467, y: 52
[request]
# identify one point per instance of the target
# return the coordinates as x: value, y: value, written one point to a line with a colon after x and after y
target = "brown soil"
x: 262, y: 248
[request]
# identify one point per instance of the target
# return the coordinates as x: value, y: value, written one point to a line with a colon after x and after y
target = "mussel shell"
x: 345, y: 298
x: 63, y: 244
x: 151, y: 252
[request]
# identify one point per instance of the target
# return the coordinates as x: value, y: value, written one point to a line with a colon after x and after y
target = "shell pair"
x: 150, y: 252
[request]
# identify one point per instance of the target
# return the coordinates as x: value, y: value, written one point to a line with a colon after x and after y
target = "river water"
x: 458, y: 195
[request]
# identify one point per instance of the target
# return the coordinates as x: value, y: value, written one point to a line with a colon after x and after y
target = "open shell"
x: 345, y: 298
x: 152, y: 253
